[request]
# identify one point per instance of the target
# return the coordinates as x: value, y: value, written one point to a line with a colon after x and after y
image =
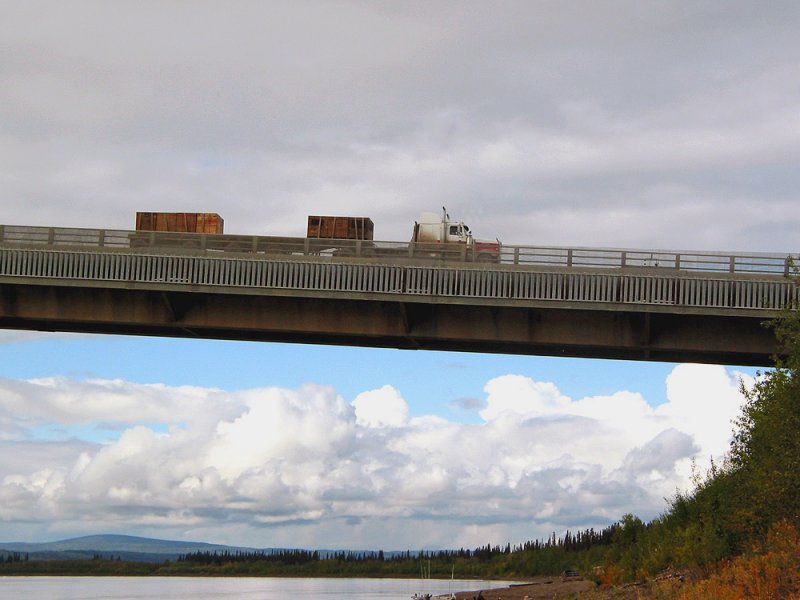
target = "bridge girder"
x: 632, y: 332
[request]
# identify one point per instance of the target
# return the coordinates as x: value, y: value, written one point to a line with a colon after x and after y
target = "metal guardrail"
x: 525, y: 256
x: 409, y: 280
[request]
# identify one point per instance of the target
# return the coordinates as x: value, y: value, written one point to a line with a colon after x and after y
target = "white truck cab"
x: 434, y: 228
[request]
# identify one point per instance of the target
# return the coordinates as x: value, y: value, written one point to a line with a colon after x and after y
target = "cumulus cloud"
x: 68, y: 402
x: 204, y: 462
x: 381, y: 408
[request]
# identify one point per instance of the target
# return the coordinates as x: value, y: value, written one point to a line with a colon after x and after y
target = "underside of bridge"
x: 633, y: 332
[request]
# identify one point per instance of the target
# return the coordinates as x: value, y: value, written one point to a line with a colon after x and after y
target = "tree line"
x: 582, y: 540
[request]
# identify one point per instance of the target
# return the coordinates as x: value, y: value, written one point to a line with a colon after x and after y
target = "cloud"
x: 204, y: 462
x: 470, y: 404
x: 381, y: 408
x: 290, y: 427
x: 13, y: 336
x: 705, y: 400
x: 654, y: 465
x: 26, y: 404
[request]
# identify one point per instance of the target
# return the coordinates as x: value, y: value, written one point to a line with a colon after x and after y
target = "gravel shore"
x: 534, y: 590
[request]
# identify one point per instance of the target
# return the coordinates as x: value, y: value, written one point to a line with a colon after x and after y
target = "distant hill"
x: 126, y: 547
x: 130, y: 547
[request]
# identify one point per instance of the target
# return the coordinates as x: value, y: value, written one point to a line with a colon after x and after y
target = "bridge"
x: 581, y: 302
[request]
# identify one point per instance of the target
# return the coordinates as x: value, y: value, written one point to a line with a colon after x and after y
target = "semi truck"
x: 433, y: 236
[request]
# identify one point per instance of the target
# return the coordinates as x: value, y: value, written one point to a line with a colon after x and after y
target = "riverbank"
x: 535, y: 589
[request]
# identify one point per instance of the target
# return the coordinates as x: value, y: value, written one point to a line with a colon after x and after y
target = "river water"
x: 208, y: 588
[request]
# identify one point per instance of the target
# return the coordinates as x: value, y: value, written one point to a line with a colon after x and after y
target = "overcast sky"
x: 627, y: 124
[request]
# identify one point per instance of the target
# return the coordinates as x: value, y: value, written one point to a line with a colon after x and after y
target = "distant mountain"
x: 126, y: 547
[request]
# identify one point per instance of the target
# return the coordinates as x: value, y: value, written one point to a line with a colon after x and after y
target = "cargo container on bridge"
x: 180, y: 222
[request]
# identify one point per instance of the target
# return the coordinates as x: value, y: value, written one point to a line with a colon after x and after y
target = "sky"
x: 659, y: 125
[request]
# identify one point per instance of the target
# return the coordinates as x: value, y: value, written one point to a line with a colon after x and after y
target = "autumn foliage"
x: 769, y: 571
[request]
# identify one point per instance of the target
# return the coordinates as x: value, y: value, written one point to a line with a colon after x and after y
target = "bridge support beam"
x: 635, y: 332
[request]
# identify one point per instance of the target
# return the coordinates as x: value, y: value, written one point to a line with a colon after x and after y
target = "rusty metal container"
x: 179, y: 222
x: 340, y: 228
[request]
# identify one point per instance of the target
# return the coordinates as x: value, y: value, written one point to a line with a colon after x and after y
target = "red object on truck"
x: 179, y: 222
x: 340, y: 228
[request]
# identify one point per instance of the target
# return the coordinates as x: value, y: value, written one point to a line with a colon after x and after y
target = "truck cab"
x: 439, y: 229
x: 459, y: 233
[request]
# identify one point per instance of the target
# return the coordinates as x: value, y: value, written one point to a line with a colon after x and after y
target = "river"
x: 208, y: 588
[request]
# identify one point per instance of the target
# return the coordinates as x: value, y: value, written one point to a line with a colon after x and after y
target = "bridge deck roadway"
x: 605, y: 313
